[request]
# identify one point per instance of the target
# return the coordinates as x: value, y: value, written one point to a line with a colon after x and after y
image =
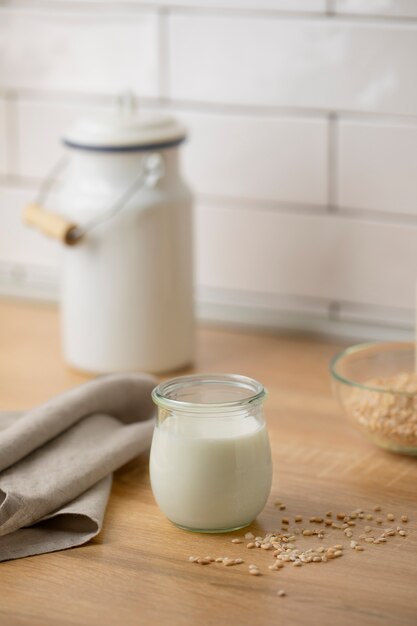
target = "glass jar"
x: 210, y: 463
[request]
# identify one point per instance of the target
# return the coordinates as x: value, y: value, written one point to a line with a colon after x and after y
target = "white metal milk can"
x: 124, y: 215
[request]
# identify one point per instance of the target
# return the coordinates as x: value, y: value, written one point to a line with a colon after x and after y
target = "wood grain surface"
x: 136, y: 571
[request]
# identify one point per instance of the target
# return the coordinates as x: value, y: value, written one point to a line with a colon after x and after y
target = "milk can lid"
x: 124, y: 130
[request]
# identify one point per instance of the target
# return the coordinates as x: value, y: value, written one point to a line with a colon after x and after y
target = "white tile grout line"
x: 301, y: 322
x: 254, y: 204
x: 337, y: 212
x: 332, y: 161
x: 79, y: 7
x: 132, y: 7
x: 49, y: 96
x: 236, y: 295
x: 12, y: 150
x: 330, y: 8
x: 163, y: 57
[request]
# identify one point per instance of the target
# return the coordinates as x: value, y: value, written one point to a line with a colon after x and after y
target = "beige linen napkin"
x: 56, y: 462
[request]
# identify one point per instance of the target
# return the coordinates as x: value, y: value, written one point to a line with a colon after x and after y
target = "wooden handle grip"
x: 52, y: 224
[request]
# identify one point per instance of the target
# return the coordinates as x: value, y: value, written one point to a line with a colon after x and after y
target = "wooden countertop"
x: 136, y: 571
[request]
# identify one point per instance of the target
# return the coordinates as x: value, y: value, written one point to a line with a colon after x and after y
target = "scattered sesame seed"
x: 281, y: 593
x: 284, y: 546
x: 377, y: 508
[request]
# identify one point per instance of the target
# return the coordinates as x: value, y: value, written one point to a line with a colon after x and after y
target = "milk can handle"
x: 69, y: 233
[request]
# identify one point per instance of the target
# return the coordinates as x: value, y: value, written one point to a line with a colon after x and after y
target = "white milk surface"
x: 211, y: 472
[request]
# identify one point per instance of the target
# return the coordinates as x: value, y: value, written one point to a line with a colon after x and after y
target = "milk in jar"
x: 210, y: 462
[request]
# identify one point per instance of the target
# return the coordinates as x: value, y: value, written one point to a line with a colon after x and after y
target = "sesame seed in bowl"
x: 376, y: 384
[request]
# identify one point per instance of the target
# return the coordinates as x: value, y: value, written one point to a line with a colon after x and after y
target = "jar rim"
x: 173, y: 393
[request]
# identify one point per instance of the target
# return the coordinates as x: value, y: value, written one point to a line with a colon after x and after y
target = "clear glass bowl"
x: 376, y: 384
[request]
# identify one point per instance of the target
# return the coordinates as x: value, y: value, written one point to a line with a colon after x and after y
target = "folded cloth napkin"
x: 56, y: 462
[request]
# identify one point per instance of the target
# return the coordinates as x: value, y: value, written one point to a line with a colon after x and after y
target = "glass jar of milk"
x: 210, y: 463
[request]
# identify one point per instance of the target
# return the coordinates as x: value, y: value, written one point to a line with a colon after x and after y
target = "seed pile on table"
x: 359, y: 527
x: 390, y: 415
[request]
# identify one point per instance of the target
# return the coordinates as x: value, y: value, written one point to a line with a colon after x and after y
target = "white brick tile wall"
x: 387, y: 8
x: 91, y: 52
x: 377, y: 166
x: 293, y: 62
x: 322, y: 256
x: 260, y: 159
x: 302, y: 150
x: 272, y: 158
